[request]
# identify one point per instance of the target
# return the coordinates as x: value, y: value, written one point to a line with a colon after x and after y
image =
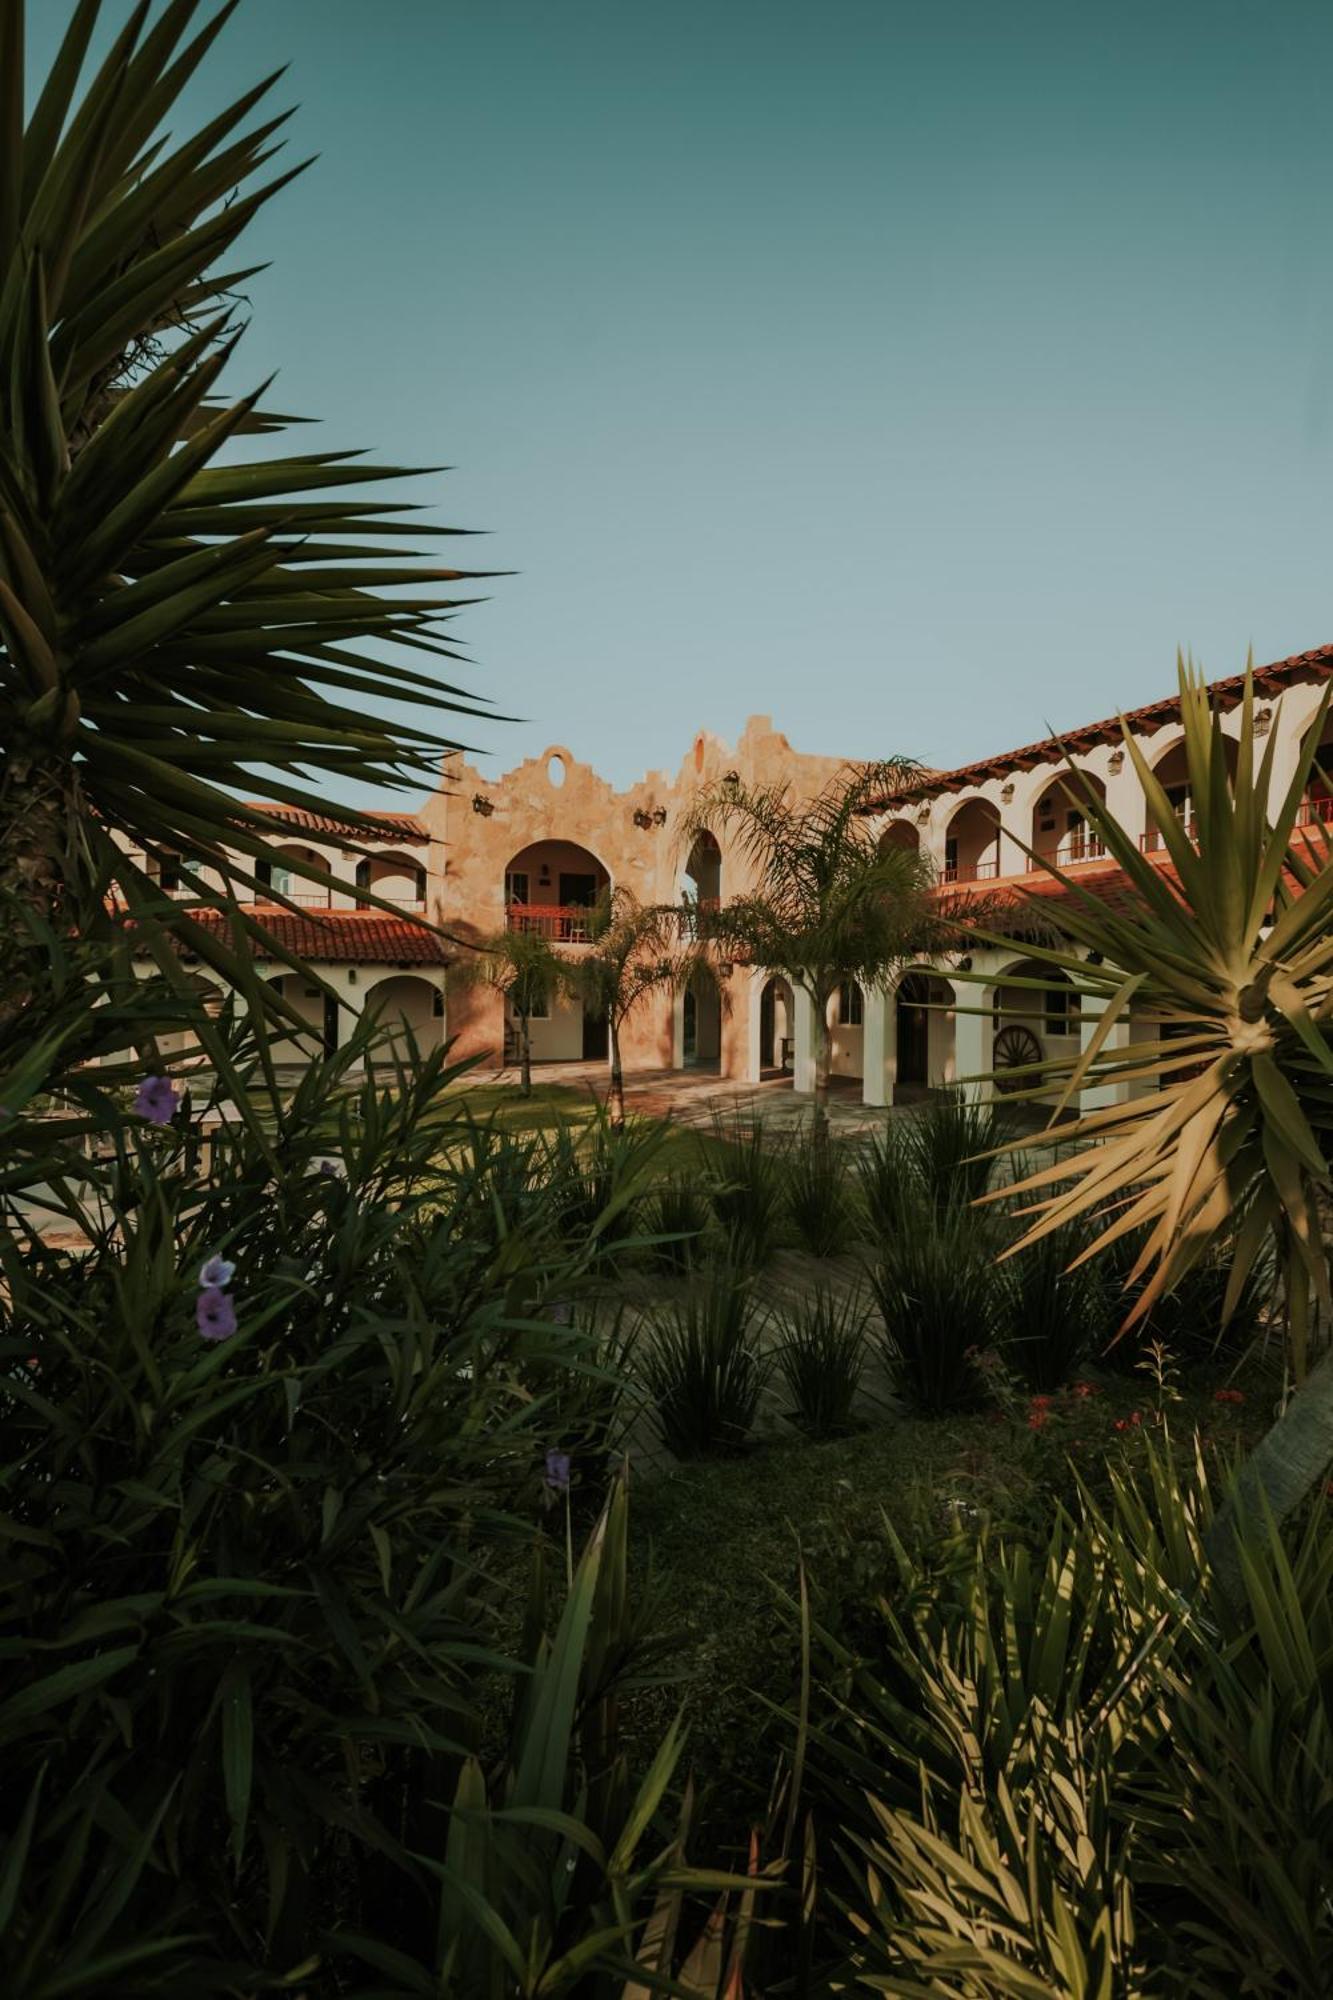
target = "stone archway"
x: 410, y: 1010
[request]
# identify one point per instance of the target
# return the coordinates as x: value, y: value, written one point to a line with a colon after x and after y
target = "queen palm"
x: 1229, y: 956
x: 829, y: 902
x: 175, y: 617
x: 523, y: 966
x: 634, y: 949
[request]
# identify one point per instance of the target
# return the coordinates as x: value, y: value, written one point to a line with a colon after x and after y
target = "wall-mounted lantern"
x: 1007, y: 793
x: 642, y: 818
x: 1263, y: 721
x: 725, y: 969
x: 659, y: 816
x: 1116, y: 763
x: 481, y: 804
x: 922, y: 814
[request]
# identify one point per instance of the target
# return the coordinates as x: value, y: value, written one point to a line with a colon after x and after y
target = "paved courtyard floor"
x: 694, y: 1096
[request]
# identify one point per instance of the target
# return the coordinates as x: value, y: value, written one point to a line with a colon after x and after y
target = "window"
x: 850, y: 1004
x: 169, y: 873
x: 540, y: 1009
x: 1063, y: 1011
x: 437, y: 1004
x: 516, y: 885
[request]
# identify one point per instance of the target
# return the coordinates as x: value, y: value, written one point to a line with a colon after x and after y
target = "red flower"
x: 1129, y: 1423
x: 1228, y: 1395
x: 1037, y: 1419
x: 1085, y: 1388
x: 1041, y: 1402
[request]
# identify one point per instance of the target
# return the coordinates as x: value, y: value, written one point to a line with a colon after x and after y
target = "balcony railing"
x: 561, y: 923
x: 1315, y: 812
x: 1151, y: 841
x: 972, y: 871
x: 1080, y: 847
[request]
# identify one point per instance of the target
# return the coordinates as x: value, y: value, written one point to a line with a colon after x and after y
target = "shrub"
x: 887, y: 1180
x: 938, y: 1294
x: 704, y: 1369
x: 249, y: 1574
x: 1188, y: 1319
x: 819, y: 1198
x: 747, y: 1188
x: 822, y: 1360
x: 598, y: 1173
x: 589, y: 1395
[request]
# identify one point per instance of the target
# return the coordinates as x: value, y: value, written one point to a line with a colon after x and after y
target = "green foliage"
x: 886, y: 1178
x: 1049, y: 1774
x: 747, y: 1188
x: 819, y: 1196
x: 947, y: 1144
x: 938, y: 1296
x: 704, y: 1368
x: 822, y: 1360
x: 1188, y: 1319
x: 599, y: 1171
x: 248, y: 1585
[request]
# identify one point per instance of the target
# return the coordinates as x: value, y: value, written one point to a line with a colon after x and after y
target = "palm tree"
x: 829, y: 903
x: 523, y: 966
x: 633, y: 949
x: 1229, y: 957
x: 173, y: 617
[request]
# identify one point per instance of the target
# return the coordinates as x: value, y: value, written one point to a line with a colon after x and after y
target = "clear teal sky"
x: 920, y: 374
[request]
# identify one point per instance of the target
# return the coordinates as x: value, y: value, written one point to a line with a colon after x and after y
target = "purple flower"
x: 329, y: 1170
x: 155, y: 1100
x: 216, y: 1273
x: 215, y: 1313
x: 557, y: 1471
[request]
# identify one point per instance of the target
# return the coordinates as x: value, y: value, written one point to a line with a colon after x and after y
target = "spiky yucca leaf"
x: 173, y: 615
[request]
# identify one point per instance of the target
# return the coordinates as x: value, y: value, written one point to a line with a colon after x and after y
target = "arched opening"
x: 924, y: 1026
x: 701, y: 1025
x: 1172, y: 773
x: 1032, y: 1025
x: 1060, y: 829
x: 550, y: 886
x: 900, y: 836
x: 972, y: 843
x: 846, y: 1030
x: 409, y: 1009
x: 277, y: 873
x: 777, y: 1028
x: 703, y: 870
x: 396, y: 878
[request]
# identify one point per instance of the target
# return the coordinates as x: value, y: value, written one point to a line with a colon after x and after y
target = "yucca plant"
x: 1228, y: 953
x: 887, y: 1179
x: 677, y: 1217
x: 704, y: 1366
x: 175, y: 617
x: 822, y: 1359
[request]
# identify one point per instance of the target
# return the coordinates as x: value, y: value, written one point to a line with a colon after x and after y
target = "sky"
x: 919, y: 375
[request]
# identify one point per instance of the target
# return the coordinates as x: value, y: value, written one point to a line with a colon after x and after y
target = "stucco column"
x: 1094, y: 1095
x: 348, y: 982
x: 973, y: 1037
x: 742, y: 1042
x: 879, y: 1046
x: 803, y: 1034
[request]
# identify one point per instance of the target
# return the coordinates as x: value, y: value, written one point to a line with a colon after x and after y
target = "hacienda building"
x: 534, y: 848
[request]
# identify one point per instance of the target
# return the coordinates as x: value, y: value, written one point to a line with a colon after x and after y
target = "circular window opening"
x: 555, y: 771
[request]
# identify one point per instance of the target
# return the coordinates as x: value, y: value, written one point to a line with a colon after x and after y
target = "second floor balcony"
x: 559, y: 923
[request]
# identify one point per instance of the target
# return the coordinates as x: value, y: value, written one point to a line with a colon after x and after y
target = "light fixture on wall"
x: 481, y: 804
x: 1115, y: 763
x: 544, y: 872
x: 351, y: 975
x: 1007, y: 793
x: 1263, y: 720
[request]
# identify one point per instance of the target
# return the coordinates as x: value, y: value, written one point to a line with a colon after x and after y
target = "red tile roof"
x: 345, y: 937
x: 394, y: 826
x: 1315, y: 665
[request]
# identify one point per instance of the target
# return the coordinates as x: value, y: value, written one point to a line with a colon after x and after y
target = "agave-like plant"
x: 1228, y: 953
x: 173, y: 615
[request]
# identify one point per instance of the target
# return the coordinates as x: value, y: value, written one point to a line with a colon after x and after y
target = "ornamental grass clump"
x: 677, y: 1217
x: 747, y: 1187
x: 704, y: 1367
x: 947, y: 1142
x: 1051, y: 1318
x: 820, y: 1200
x: 821, y: 1360
x: 938, y: 1296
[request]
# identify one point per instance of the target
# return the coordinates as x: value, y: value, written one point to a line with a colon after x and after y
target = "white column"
x: 973, y: 1037
x: 747, y: 991
x: 803, y: 1031
x: 879, y: 1046
x: 1094, y: 1095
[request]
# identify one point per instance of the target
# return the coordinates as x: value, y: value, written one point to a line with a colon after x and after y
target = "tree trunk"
x: 524, y: 1056
x: 615, y: 1100
x: 819, y: 1127
x: 1278, y: 1473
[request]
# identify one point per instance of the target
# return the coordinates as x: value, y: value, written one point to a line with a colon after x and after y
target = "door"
x: 913, y: 1032
x: 596, y: 1042
x: 330, y: 1025
x: 767, y: 1057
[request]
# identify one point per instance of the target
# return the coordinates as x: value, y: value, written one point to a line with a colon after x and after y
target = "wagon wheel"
x: 1015, y: 1048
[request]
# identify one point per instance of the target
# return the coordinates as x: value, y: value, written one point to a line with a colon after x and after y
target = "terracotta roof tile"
x: 346, y: 937
x: 396, y: 826
x: 1270, y: 680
